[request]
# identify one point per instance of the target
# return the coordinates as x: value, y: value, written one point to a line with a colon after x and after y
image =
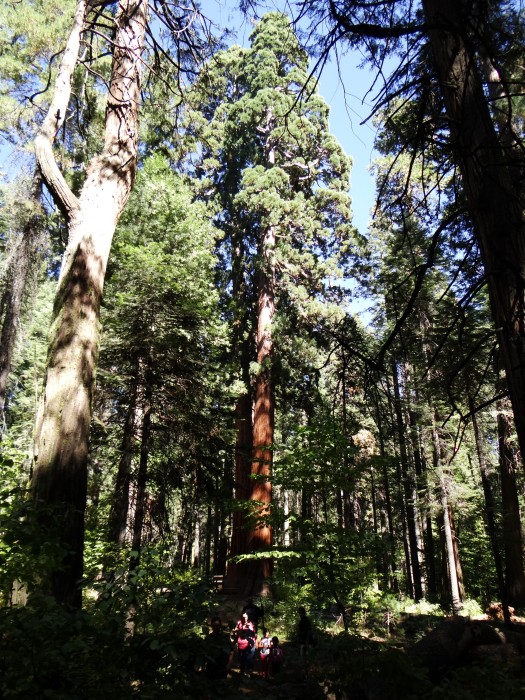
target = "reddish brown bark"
x: 260, y: 536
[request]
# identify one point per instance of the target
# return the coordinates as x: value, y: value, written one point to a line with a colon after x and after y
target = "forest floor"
x: 292, y: 683
x: 452, y: 659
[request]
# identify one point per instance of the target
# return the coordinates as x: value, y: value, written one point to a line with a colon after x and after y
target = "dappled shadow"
x: 427, y: 656
x: 60, y: 475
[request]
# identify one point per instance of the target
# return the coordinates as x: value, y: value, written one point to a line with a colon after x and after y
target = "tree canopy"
x: 192, y: 412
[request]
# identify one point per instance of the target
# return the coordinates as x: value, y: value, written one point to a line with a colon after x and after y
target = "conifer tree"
x: 280, y: 181
x: 160, y: 349
x: 458, y: 63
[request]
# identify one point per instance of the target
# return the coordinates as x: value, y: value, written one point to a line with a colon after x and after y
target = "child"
x: 264, y: 652
x: 276, y: 656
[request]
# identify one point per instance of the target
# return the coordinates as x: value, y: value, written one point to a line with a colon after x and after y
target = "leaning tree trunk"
x: 492, y: 168
x: 62, y: 428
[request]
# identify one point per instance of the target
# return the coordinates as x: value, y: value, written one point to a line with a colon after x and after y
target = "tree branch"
x: 63, y: 197
x: 421, y: 272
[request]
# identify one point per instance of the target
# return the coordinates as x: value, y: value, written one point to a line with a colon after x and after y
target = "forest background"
x: 187, y: 395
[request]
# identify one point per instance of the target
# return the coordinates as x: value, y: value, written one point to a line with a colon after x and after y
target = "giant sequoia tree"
x: 280, y: 181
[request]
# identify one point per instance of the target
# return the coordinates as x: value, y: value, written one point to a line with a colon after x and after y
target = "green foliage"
x: 46, y: 651
x: 471, y: 608
x: 317, y: 457
x: 27, y: 43
x: 29, y: 360
x: 27, y: 553
x: 266, y: 158
x: 423, y: 607
x: 334, y: 569
x: 154, y: 586
x: 161, y: 312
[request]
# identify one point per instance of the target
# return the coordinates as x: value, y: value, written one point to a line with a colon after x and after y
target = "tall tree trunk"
x: 345, y: 497
x: 512, y: 539
x: 209, y: 532
x: 237, y: 572
x: 457, y: 560
x: 63, y: 422
x: 142, y: 473
x: 19, y: 266
x: 140, y: 499
x: 491, y: 166
x: 409, y: 489
x: 263, y: 416
x: 490, y: 512
x: 450, y: 554
x: 389, y: 564
x: 424, y: 497
x: 118, y: 515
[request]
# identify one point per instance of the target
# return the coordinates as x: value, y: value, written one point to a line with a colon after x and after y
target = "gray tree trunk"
x: 491, y: 166
x: 62, y: 426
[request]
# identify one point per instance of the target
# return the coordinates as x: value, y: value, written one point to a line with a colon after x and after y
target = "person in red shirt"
x: 245, y: 635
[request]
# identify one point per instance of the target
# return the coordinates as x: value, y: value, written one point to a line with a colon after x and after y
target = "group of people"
x: 221, y: 646
x: 249, y: 644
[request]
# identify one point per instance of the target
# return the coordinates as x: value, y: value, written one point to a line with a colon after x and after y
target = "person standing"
x: 264, y: 652
x: 218, y: 651
x: 245, y: 634
x: 304, y: 632
x: 275, y: 658
x: 254, y: 612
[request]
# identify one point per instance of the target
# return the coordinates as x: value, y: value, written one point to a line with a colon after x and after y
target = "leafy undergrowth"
x: 46, y: 652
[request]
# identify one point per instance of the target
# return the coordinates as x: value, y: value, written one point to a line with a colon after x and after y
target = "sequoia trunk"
x: 263, y: 416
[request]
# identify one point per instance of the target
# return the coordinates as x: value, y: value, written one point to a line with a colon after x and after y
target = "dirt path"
x: 291, y: 684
